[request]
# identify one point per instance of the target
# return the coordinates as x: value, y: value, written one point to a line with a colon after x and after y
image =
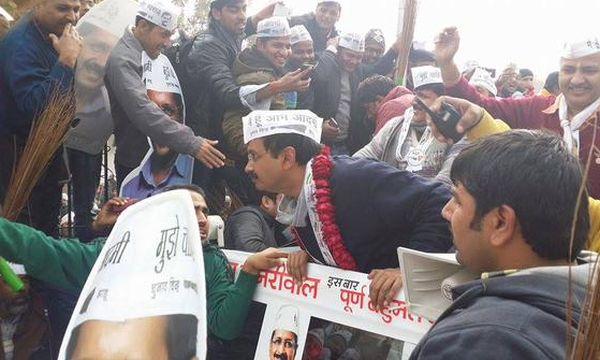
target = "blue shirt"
x: 29, y: 73
x: 143, y: 185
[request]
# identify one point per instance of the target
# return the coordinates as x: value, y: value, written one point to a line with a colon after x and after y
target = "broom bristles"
x: 47, y: 134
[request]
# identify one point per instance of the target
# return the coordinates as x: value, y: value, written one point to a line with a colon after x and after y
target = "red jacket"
x: 537, y: 112
x: 393, y: 105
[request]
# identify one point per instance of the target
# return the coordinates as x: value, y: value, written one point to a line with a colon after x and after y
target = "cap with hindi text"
x: 426, y: 75
x: 160, y: 12
x: 260, y: 124
x: 352, y: 41
x: 300, y: 34
x: 277, y: 26
x: 581, y: 48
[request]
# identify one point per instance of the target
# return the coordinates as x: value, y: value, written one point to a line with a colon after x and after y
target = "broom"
x: 47, y: 134
x: 586, y: 344
x: 408, y: 32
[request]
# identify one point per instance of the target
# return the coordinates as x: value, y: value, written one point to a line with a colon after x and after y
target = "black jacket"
x: 318, y: 36
x: 326, y: 86
x: 211, y: 87
x: 522, y: 316
x: 379, y: 208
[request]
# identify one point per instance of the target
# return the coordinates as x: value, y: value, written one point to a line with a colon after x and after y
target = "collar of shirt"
x: 552, y: 109
x: 146, y: 172
x: 130, y: 41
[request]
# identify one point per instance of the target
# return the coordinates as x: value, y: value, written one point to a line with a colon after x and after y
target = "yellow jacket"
x: 489, y: 126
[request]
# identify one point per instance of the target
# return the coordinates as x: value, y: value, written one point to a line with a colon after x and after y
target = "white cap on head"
x: 426, y: 75
x: 112, y: 16
x: 277, y: 26
x: 580, y: 48
x: 352, y: 41
x: 300, y: 34
x: 160, y: 12
x: 484, y: 79
x: 259, y: 124
x: 287, y: 319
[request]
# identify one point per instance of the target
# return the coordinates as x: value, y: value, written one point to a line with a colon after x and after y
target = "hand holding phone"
x: 446, y: 120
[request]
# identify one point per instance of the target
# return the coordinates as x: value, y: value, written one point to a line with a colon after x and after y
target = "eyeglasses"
x: 252, y: 157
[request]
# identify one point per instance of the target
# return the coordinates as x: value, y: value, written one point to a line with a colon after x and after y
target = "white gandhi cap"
x: 426, y: 75
x: 580, y: 48
x: 353, y: 41
x: 300, y: 34
x: 277, y: 26
x: 160, y: 12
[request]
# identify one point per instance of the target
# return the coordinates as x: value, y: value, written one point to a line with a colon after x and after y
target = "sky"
x: 529, y: 33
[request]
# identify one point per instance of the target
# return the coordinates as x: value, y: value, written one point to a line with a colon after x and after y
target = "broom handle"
x: 12, y: 280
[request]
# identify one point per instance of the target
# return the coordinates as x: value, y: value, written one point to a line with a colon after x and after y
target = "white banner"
x: 146, y: 295
x: 333, y: 302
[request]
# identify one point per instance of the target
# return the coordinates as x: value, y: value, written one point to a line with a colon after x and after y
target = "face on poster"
x: 145, y: 297
x: 161, y: 166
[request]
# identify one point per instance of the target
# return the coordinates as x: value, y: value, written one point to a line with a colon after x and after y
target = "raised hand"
x: 446, y: 45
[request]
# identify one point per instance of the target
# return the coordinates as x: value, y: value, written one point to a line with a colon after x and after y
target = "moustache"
x: 253, y: 176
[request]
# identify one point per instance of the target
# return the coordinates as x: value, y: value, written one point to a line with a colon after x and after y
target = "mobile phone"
x: 309, y: 68
x: 445, y: 121
x: 282, y: 10
x: 334, y: 123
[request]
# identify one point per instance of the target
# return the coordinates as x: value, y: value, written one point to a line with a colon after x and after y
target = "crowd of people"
x: 297, y: 134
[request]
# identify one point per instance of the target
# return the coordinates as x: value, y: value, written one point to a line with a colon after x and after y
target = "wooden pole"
x: 407, y: 16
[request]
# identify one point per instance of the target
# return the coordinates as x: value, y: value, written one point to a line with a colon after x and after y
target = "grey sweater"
x: 135, y: 115
x: 383, y: 147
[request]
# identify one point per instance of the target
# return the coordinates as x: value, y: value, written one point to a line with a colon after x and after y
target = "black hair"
x: 525, y: 72
x: 439, y: 89
x: 139, y: 18
x: 551, y: 83
x: 219, y: 5
x: 189, y: 187
x: 339, y: 6
x: 535, y: 174
x: 420, y: 55
x: 305, y: 148
x: 181, y: 339
x: 374, y: 86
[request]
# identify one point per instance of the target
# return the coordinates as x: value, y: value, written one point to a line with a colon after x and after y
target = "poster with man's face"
x: 145, y: 297
x: 162, y: 166
x: 100, y: 29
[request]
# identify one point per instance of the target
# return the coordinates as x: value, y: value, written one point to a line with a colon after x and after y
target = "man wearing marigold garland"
x: 347, y: 213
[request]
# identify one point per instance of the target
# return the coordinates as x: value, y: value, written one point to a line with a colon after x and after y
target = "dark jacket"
x: 326, y: 85
x: 211, y: 87
x: 522, y: 316
x: 251, y: 229
x: 249, y: 68
x: 379, y: 208
x: 318, y: 36
x: 29, y: 73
